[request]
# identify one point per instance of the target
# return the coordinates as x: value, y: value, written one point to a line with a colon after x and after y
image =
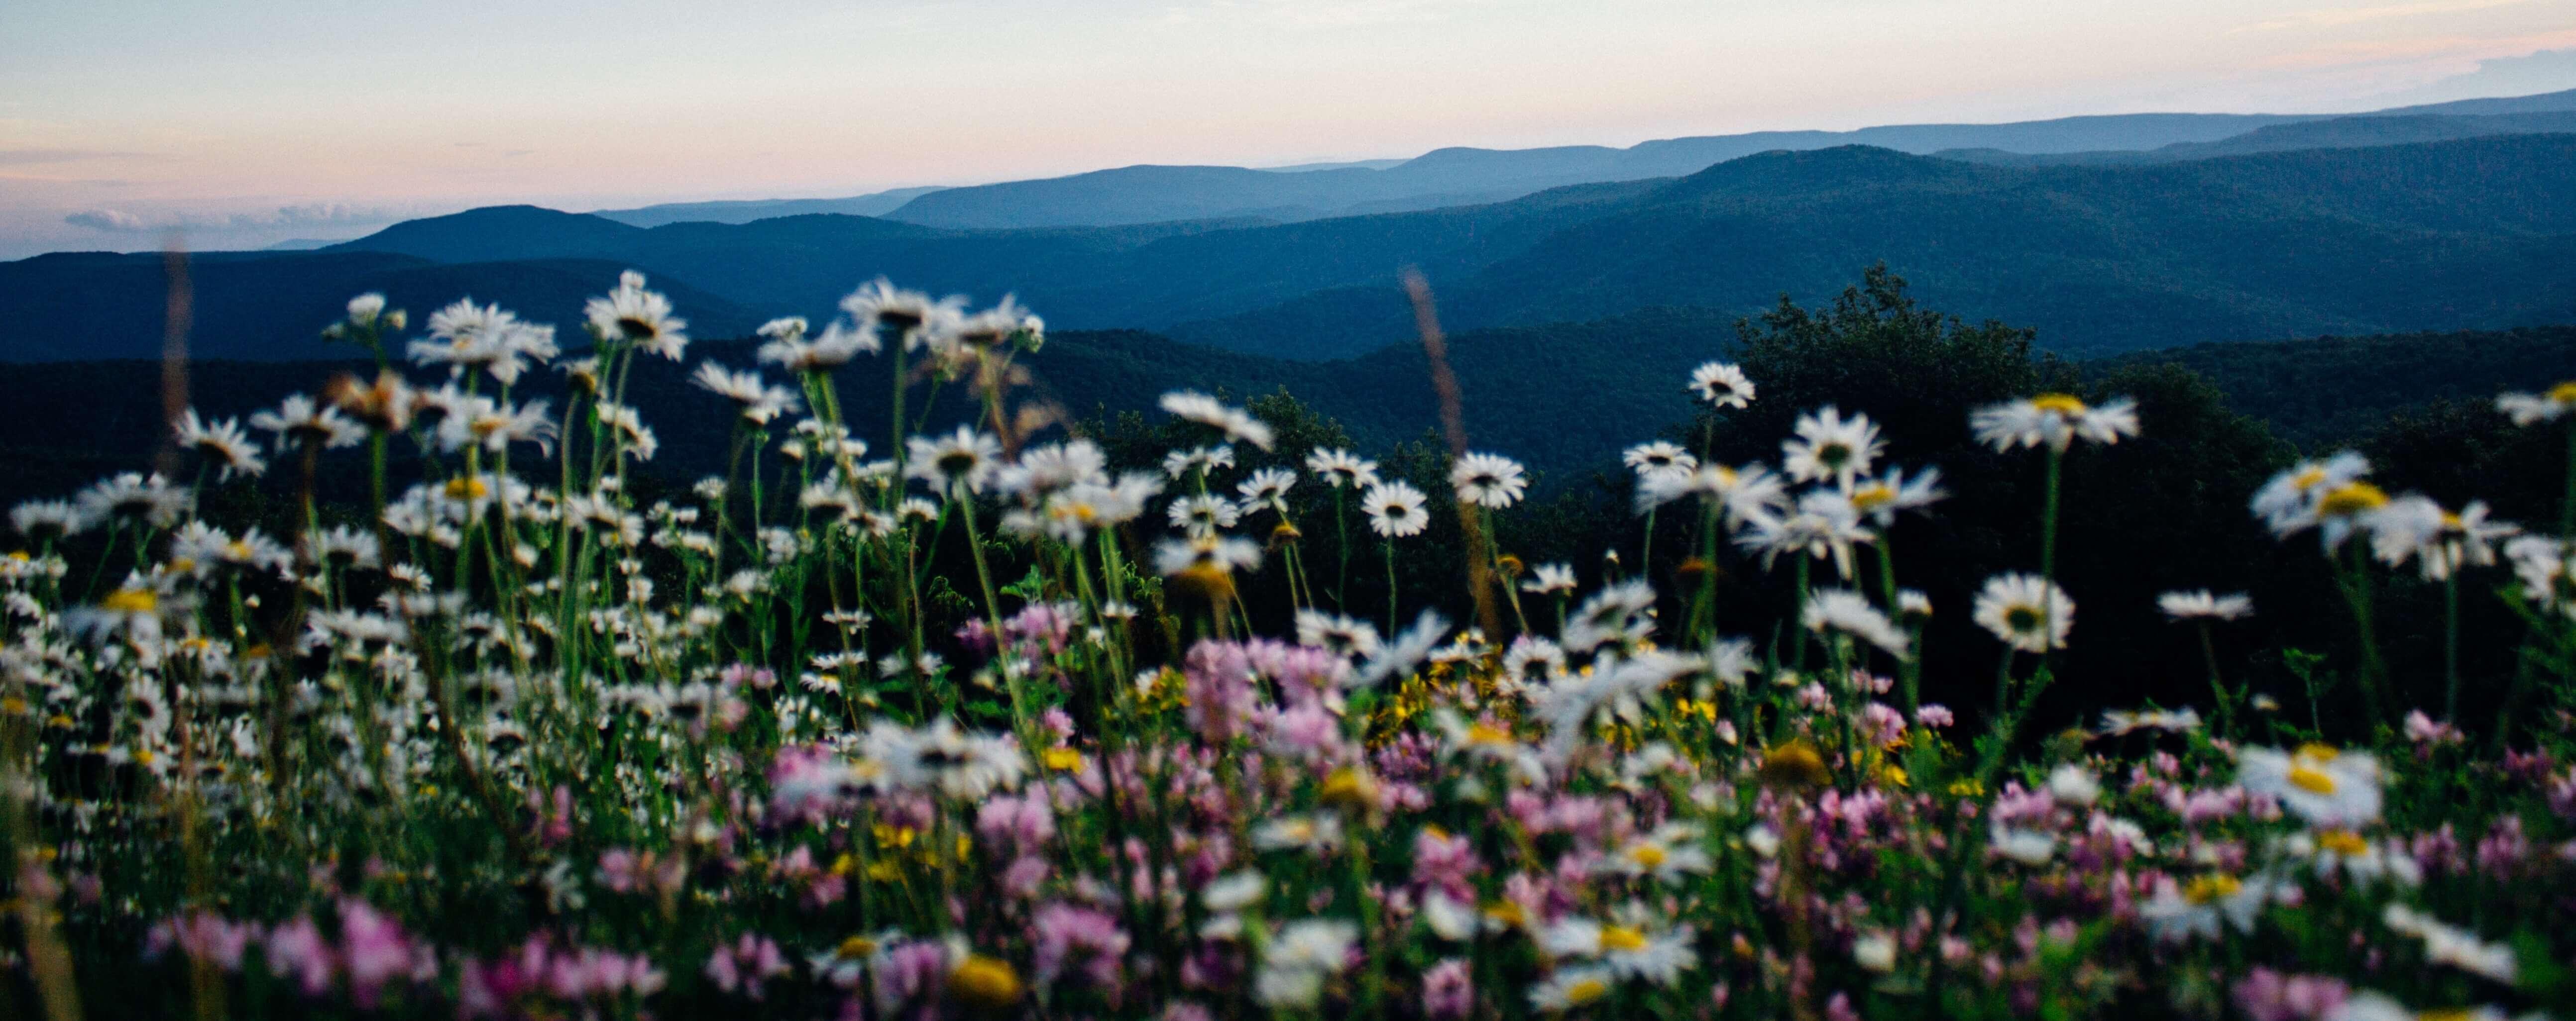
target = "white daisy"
x: 955, y: 463
x: 1569, y: 988
x: 2053, y: 420
x: 223, y: 444
x: 1830, y: 447
x: 301, y: 420
x: 1488, y: 480
x: 2205, y: 605
x: 2451, y: 945
x: 2025, y: 611
x: 1841, y: 609
x: 1550, y: 579
x: 1339, y: 468
x: 1237, y: 425
x: 1823, y: 526
x: 1658, y: 456
x: 1881, y: 499
x: 639, y: 317
x: 2533, y: 409
x: 1203, y: 515
x: 916, y: 320
x: 1267, y: 487
x: 1338, y: 633
x: 2180, y: 911
x: 2324, y: 785
x: 1750, y: 493
x: 1182, y: 462
x: 1395, y: 509
x: 1721, y: 385
x: 759, y: 402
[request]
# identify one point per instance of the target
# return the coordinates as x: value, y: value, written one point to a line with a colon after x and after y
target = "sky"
x: 243, y: 123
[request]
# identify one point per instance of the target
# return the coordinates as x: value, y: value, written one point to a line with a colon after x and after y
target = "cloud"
x: 25, y: 157
x: 2332, y: 18
x: 2459, y: 49
x: 2549, y: 70
x: 320, y: 214
x: 113, y: 221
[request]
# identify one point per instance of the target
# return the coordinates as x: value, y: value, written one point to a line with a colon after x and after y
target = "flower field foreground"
x: 511, y: 742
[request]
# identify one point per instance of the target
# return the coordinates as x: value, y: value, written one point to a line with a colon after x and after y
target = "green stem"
x: 2217, y: 690
x: 1389, y: 543
x: 2451, y: 646
x: 1342, y: 532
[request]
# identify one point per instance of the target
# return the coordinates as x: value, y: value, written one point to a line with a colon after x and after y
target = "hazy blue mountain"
x: 1299, y: 168
x: 299, y: 245
x: 1090, y: 277
x: 2335, y: 133
x: 498, y: 233
x: 1451, y: 176
x: 2474, y: 233
x: 2546, y: 102
x: 871, y: 204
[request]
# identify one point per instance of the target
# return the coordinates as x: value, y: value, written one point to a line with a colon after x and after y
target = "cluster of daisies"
x: 974, y: 722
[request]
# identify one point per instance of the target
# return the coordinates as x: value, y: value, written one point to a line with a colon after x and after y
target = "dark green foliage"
x: 2334, y: 389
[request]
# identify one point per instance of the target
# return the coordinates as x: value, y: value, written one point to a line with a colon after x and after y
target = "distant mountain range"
x: 1464, y: 176
x: 2292, y: 226
x: 871, y: 204
x: 2334, y: 133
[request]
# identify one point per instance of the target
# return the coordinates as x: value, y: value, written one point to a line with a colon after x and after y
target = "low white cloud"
x: 31, y: 156
x: 321, y: 214
x: 115, y: 221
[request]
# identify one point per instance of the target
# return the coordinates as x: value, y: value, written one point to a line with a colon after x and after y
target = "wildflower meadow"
x: 899, y: 718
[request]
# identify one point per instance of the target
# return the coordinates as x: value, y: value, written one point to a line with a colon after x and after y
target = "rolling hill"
x: 2470, y: 233
x: 1456, y: 176
x: 2337, y: 133
x: 871, y: 204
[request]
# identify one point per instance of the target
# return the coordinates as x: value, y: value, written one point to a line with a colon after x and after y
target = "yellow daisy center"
x: 986, y: 982
x: 856, y: 948
x: 1346, y: 787
x: 1488, y: 734
x: 1586, y: 991
x: 2313, y: 781
x: 2210, y: 888
x: 2063, y: 404
x: 2352, y: 498
x: 2343, y: 842
x: 1872, y: 496
x: 1648, y: 856
x: 2564, y: 393
x: 1621, y: 939
x: 131, y: 600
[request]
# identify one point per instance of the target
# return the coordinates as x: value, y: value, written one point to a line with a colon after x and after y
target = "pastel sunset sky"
x: 252, y: 121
